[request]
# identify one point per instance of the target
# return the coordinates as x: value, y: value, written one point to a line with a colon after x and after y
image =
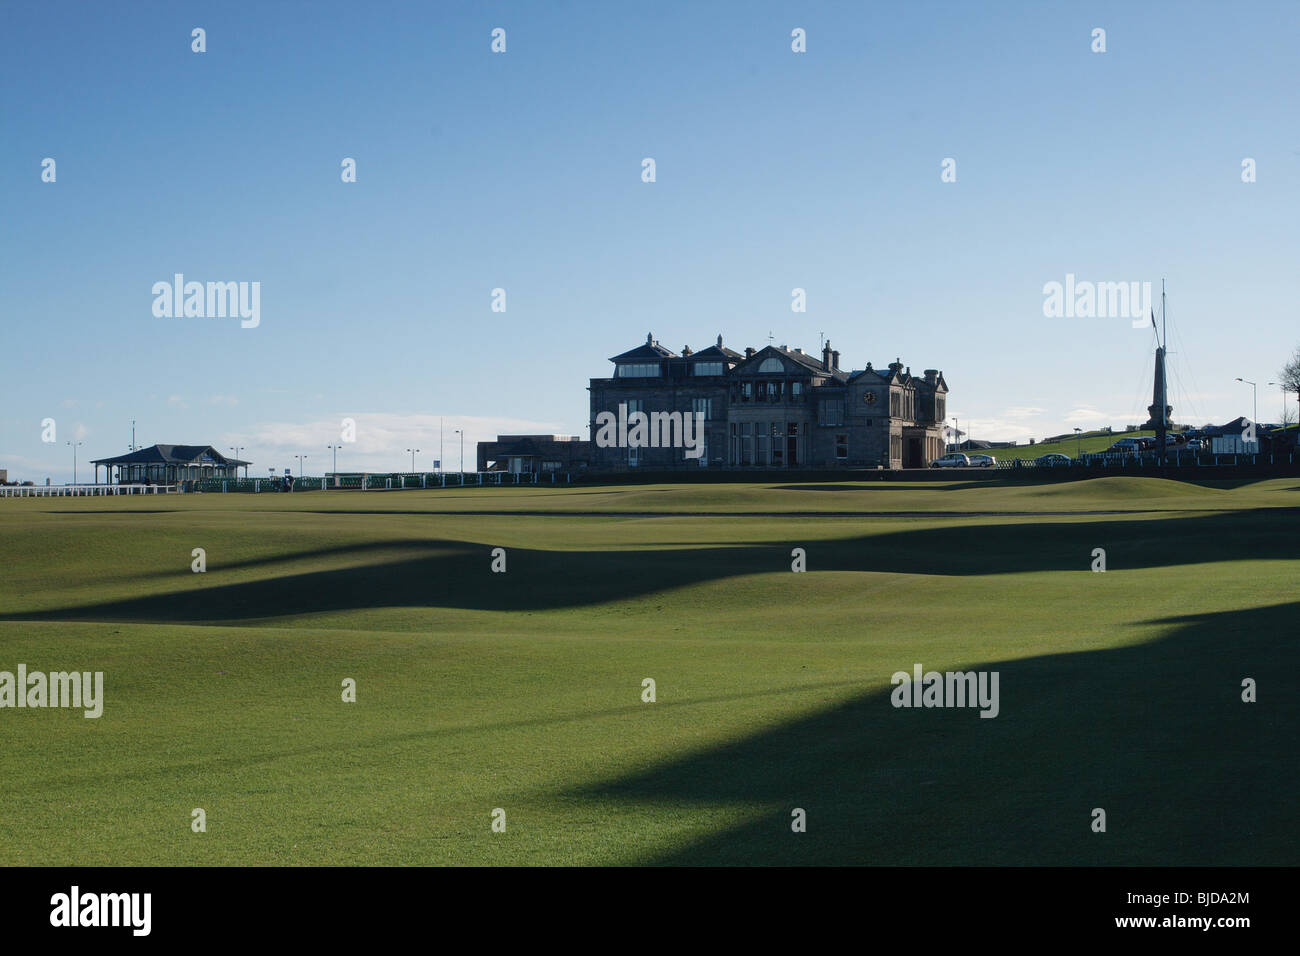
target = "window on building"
x: 706, y: 368
x: 939, y: 410
x: 747, y: 391
x: 895, y: 405
x: 831, y: 412
x: 796, y: 390
x: 762, y: 444
x: 633, y: 456
x: 635, y: 405
x: 747, y: 444
x: 841, y: 447
x: 704, y: 405
x: 637, y: 370
x: 771, y: 365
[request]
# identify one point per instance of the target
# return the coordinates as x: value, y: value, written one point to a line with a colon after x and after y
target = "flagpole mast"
x: 1164, y: 377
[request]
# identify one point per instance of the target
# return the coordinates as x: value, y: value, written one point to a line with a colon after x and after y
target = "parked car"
x: 1127, y: 445
x: 1052, y: 461
x: 955, y: 460
x: 1195, y: 444
x: 983, y: 461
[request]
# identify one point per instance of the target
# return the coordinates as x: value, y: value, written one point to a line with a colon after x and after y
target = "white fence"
x: 71, y: 491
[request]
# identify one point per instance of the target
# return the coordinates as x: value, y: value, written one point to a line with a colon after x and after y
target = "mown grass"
x: 523, y: 690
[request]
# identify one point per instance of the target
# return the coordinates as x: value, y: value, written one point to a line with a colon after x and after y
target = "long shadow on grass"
x: 457, y: 574
x: 1155, y: 734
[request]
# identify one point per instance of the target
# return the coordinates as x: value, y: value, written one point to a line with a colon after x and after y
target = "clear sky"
x: 522, y: 170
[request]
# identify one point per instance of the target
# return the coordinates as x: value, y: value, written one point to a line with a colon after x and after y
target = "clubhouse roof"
x: 166, y: 464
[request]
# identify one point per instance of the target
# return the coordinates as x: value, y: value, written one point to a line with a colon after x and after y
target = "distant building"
x: 169, y: 464
x: 534, y: 454
x: 771, y: 408
x: 1230, y: 439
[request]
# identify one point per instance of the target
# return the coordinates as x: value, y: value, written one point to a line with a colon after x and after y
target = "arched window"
x: 771, y: 365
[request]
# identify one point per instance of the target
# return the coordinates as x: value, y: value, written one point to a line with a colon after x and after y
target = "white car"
x: 954, y: 460
x: 983, y: 461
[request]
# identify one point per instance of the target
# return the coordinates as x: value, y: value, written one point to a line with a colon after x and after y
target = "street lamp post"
x: 1255, y: 399
x: 74, y: 459
x: 237, y: 449
x: 1078, y: 443
x: 413, y: 452
x: 457, y: 431
x: 300, y: 460
x: 335, y: 449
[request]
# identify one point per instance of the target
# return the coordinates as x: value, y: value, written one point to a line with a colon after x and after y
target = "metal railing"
x: 386, y: 481
x: 1137, y: 461
x: 82, y: 491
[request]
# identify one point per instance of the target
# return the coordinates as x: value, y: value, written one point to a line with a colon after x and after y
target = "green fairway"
x: 523, y: 690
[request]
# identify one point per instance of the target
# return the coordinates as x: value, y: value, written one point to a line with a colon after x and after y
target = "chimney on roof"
x: 749, y: 353
x: 835, y: 361
x: 686, y: 350
x: 719, y: 340
x: 931, y: 376
x: 896, y: 366
x: 826, y: 355
x: 649, y: 338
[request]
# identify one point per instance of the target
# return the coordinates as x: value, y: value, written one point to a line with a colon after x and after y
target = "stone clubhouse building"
x: 771, y: 408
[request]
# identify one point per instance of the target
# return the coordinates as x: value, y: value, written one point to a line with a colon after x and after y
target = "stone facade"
x: 773, y: 408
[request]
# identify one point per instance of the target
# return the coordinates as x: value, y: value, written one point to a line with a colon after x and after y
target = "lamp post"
x: 457, y: 431
x: 1078, y: 443
x: 413, y: 452
x: 74, y: 459
x: 335, y: 449
x: 300, y: 460
x: 237, y: 449
x: 1255, y: 399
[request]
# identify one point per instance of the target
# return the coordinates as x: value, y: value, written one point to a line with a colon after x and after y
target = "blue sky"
x: 522, y: 171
